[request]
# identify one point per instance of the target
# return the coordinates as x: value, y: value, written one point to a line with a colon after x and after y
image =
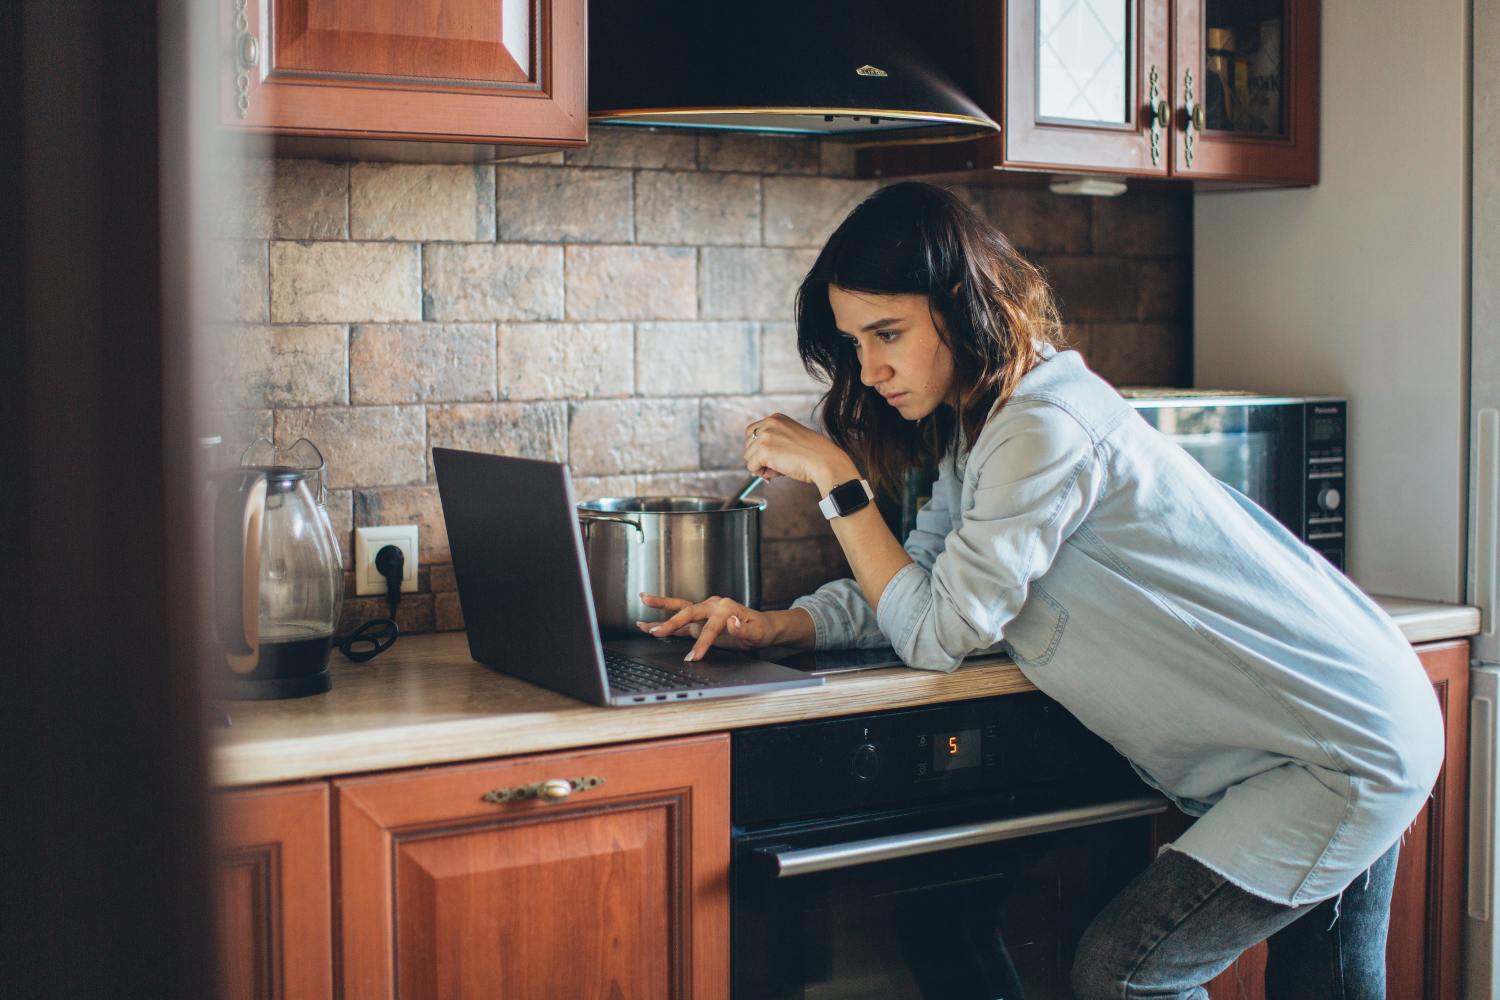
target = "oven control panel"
x: 911, y: 756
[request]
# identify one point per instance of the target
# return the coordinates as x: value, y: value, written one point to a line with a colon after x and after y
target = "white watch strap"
x: 826, y: 504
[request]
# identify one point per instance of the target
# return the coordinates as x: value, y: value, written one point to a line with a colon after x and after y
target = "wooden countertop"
x: 425, y: 702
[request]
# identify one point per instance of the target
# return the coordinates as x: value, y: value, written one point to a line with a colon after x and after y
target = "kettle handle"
x: 238, y: 516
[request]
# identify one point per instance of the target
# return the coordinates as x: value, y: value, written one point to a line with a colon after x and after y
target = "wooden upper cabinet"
x: 1245, y: 90
x: 1213, y: 90
x: 274, y: 880
x: 456, y: 885
x: 475, y: 71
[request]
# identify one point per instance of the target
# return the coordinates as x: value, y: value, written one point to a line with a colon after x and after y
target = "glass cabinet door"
x: 1242, y: 70
x: 1083, y: 61
x: 1087, y: 85
x: 1245, y: 93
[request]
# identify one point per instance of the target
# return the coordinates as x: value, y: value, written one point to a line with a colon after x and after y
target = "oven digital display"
x: 951, y: 751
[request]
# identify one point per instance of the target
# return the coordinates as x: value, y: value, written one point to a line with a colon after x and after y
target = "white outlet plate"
x: 368, y: 541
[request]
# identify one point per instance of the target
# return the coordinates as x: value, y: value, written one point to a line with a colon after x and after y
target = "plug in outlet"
x: 369, y: 541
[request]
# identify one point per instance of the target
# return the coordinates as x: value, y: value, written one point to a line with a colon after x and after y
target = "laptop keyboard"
x: 632, y: 676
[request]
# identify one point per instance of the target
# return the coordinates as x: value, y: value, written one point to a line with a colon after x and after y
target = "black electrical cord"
x: 379, y: 634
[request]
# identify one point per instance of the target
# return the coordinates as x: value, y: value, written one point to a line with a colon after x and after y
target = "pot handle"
x: 584, y: 520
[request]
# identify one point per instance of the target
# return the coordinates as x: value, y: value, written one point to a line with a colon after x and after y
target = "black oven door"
x: 937, y: 904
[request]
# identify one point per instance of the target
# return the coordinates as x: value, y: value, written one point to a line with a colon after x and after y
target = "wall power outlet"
x: 369, y: 541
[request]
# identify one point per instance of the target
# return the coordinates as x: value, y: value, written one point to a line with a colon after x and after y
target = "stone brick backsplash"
x: 626, y: 308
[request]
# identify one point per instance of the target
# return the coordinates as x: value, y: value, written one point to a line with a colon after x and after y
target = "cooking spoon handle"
x: 749, y: 486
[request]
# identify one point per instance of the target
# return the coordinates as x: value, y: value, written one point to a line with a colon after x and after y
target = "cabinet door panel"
x: 584, y: 898
x: 1253, y: 68
x: 477, y: 41
x: 1078, y: 82
x: 619, y: 889
x: 491, y: 71
x: 1423, y: 957
x: 274, y: 893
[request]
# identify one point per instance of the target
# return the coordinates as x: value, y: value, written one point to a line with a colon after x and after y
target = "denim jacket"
x: 1239, y: 673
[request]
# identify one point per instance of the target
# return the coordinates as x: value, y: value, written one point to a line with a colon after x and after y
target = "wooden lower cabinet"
x: 273, y: 884
x: 617, y: 890
x: 1423, y: 949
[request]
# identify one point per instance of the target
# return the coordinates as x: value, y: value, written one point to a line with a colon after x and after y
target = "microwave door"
x: 1255, y: 448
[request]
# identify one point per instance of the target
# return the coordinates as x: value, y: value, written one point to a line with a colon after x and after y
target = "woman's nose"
x: 872, y: 371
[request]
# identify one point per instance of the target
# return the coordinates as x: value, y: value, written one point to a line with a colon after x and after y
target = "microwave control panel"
x: 1326, y: 495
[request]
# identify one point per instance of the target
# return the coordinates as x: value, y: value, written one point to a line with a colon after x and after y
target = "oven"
x: 944, y: 852
x: 1287, y: 453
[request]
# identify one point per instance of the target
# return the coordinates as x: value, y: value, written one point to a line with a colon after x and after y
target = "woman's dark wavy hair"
x: 990, y: 306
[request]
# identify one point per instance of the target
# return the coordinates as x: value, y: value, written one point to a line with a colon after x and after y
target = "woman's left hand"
x: 779, y: 446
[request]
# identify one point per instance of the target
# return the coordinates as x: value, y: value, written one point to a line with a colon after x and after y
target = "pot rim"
x: 591, y: 506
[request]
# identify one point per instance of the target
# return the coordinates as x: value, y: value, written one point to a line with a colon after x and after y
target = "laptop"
x: 523, y: 585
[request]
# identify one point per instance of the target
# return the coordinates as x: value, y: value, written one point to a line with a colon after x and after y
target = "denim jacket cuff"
x: 900, y: 606
x: 825, y: 627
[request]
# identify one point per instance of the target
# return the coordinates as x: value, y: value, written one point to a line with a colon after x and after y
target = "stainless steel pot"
x: 675, y: 546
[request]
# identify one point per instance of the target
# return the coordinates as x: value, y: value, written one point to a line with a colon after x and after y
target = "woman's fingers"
x: 665, y: 603
x: 706, y: 636
x: 731, y: 624
x: 715, y: 620
x: 686, y: 614
x: 676, y: 605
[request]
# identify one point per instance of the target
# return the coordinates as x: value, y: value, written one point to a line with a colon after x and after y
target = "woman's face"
x: 900, y: 353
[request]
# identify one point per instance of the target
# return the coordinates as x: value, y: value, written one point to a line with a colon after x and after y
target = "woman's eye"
x: 886, y: 336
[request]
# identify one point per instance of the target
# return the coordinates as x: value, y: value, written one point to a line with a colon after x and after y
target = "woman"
x: 1237, y: 670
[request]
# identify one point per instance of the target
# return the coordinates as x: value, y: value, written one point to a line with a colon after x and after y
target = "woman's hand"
x: 779, y: 446
x: 715, y: 621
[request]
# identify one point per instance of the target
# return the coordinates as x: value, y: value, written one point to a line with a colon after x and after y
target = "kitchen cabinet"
x: 274, y: 893
x: 1209, y: 90
x: 591, y: 873
x: 497, y: 72
x: 1423, y: 948
x: 501, y: 877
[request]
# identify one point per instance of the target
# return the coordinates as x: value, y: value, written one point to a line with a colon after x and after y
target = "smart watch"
x: 846, y: 498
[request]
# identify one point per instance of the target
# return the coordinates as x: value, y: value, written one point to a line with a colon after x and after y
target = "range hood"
x: 819, y: 67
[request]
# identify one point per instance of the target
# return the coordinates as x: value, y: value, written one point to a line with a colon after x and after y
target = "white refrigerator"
x: 1482, y: 938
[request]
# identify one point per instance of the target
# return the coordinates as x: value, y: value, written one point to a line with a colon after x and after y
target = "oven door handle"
x: 804, y: 861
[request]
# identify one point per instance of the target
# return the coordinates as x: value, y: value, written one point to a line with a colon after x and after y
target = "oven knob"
x: 1329, y: 498
x: 866, y: 762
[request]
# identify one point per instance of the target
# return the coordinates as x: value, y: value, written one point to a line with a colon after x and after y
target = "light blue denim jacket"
x: 1238, y: 672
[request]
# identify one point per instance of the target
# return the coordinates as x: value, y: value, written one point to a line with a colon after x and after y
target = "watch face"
x: 849, y: 497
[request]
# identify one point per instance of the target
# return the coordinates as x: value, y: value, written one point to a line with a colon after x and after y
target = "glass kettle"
x: 278, y: 582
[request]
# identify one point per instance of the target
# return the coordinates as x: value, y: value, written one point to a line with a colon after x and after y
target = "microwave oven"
x: 1287, y: 453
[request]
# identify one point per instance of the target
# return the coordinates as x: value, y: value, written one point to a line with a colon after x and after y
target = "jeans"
x: 1178, y: 924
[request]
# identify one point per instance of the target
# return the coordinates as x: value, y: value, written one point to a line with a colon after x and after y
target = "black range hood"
x: 820, y: 67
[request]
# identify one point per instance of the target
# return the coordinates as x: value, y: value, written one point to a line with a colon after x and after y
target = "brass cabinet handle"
x: 248, y: 49
x: 551, y: 790
x: 247, y: 57
x: 1194, y: 110
x: 1160, y: 113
